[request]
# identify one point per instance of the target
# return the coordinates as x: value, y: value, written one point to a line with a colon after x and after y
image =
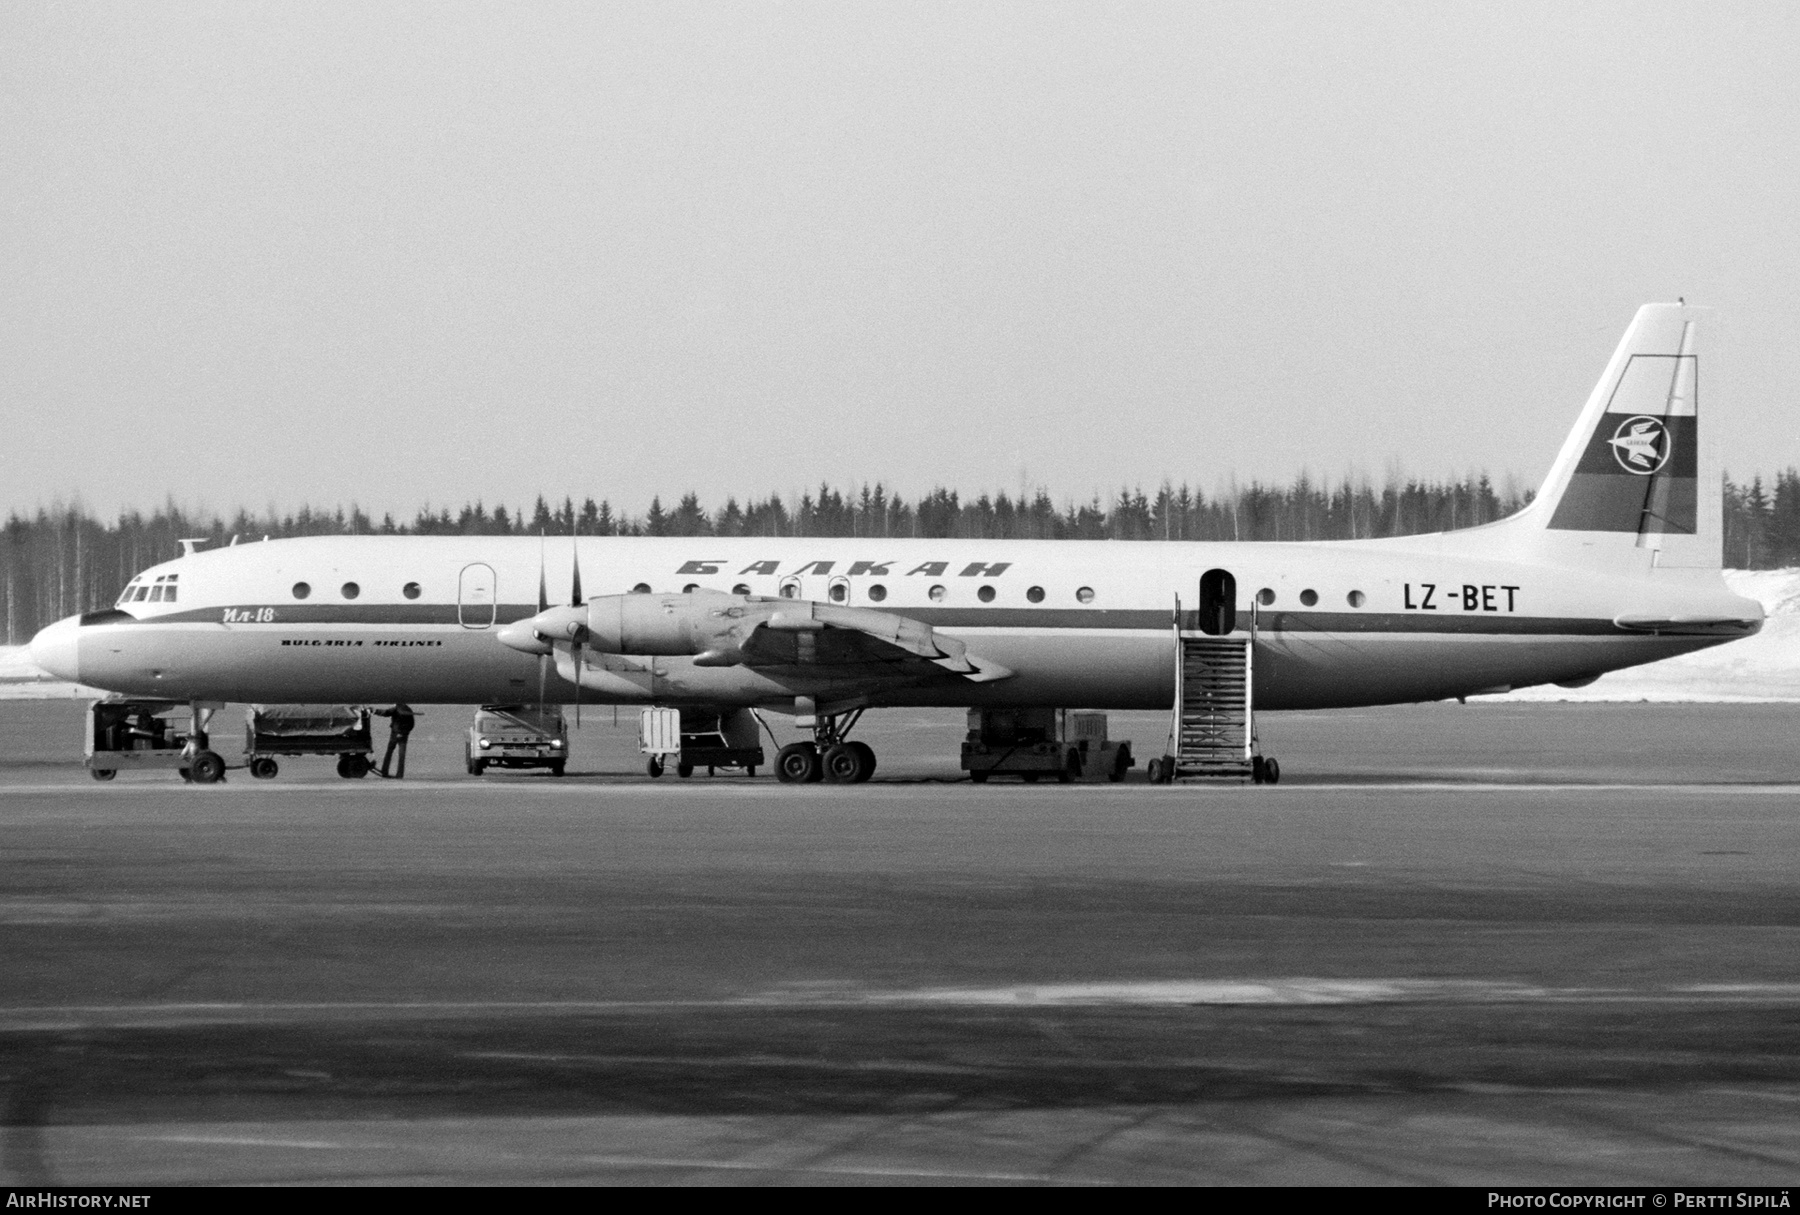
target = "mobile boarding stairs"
x: 1212, y: 728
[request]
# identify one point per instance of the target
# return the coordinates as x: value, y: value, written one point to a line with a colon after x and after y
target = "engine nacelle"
x: 667, y: 625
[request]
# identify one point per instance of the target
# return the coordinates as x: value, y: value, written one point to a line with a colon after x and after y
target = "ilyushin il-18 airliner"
x: 1615, y: 562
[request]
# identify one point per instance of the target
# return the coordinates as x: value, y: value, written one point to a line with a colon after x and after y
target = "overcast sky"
x: 394, y: 253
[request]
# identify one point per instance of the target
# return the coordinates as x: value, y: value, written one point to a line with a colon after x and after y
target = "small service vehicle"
x: 1062, y: 744
x: 140, y: 734
x: 272, y: 731
x: 699, y: 738
x: 518, y: 736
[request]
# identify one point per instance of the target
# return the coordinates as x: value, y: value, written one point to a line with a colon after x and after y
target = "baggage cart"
x: 135, y: 735
x: 699, y: 738
x: 1062, y: 744
x: 275, y: 731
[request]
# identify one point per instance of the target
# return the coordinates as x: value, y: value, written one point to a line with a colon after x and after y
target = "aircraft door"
x: 475, y: 596
x: 1218, y: 602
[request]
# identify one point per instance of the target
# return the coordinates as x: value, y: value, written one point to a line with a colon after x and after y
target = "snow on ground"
x: 1764, y: 667
x: 20, y: 679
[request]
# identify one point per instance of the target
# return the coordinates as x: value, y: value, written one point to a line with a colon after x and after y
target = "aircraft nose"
x: 55, y: 650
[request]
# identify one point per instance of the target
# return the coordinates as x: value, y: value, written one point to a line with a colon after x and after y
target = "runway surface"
x: 1482, y: 945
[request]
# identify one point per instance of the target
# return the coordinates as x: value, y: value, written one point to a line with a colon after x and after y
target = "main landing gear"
x: 830, y: 757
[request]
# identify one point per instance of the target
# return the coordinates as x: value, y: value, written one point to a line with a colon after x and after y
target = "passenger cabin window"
x: 790, y: 588
x: 1218, y: 602
x: 877, y: 592
x: 302, y: 590
x: 1035, y: 595
x: 740, y: 589
x: 410, y: 590
x: 1084, y: 595
x: 1309, y: 597
x: 642, y: 588
x: 351, y: 590
x: 937, y: 593
x: 985, y: 594
x: 839, y: 590
x: 1265, y: 596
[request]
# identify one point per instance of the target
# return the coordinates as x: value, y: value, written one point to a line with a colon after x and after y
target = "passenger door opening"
x: 1218, y: 603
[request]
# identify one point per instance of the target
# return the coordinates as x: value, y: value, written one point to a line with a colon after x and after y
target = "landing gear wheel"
x: 207, y: 768
x: 103, y: 773
x: 264, y: 768
x: 868, y: 753
x: 1121, y: 762
x: 798, y: 764
x: 684, y: 770
x: 654, y: 766
x: 845, y: 764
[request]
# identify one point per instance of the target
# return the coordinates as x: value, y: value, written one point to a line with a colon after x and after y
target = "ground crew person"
x: 402, y: 726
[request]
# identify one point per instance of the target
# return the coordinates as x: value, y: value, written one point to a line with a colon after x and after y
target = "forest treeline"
x: 63, y: 560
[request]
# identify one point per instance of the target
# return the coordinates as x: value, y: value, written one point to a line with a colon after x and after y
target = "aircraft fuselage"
x: 406, y: 618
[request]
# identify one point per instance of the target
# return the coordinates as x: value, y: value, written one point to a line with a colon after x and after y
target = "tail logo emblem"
x: 1641, y: 445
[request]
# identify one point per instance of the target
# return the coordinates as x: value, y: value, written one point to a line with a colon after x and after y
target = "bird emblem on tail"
x: 1640, y: 445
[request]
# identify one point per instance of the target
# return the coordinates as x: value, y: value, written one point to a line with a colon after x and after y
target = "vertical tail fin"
x: 1634, y: 474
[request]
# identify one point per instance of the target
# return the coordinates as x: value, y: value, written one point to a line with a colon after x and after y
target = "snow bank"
x: 1761, y: 668
x: 20, y: 679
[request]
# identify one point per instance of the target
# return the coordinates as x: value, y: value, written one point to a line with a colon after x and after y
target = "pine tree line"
x: 64, y: 560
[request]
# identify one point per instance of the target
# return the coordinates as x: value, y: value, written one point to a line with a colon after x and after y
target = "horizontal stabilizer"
x: 1702, y: 625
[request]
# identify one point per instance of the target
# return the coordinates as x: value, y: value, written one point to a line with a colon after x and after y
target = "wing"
x: 855, y: 643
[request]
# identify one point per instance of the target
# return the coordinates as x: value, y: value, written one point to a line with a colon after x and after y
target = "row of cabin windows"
x: 351, y: 590
x: 163, y: 591
x: 839, y: 592
x: 1310, y: 598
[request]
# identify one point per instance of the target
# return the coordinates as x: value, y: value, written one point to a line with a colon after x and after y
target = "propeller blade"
x: 575, y: 600
x: 543, y: 591
x: 543, y: 606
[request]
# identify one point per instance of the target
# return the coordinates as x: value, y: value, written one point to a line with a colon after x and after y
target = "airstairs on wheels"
x: 1212, y: 729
